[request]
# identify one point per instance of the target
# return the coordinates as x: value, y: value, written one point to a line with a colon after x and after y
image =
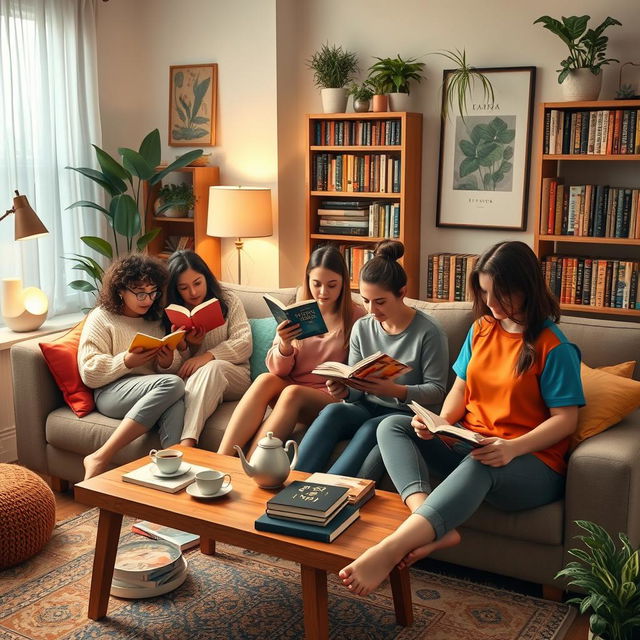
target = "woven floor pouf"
x: 27, y: 514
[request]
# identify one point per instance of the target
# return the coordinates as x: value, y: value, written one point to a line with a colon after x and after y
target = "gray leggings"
x: 526, y: 482
x: 154, y: 399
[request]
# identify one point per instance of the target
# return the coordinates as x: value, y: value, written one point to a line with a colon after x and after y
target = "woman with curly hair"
x: 135, y: 386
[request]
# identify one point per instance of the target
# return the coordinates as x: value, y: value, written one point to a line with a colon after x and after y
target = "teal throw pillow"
x: 263, y: 331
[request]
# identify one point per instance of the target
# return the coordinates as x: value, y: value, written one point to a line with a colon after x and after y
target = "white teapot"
x: 270, y: 465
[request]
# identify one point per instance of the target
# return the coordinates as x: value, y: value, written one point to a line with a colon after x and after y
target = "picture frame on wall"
x: 483, y: 177
x: 193, y: 98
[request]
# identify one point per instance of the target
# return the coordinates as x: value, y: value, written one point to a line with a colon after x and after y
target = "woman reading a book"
x: 294, y: 393
x: 136, y: 386
x: 518, y: 385
x: 216, y: 350
x: 392, y: 327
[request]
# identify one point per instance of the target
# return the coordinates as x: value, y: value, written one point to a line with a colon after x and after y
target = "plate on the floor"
x: 194, y: 492
x: 180, y: 471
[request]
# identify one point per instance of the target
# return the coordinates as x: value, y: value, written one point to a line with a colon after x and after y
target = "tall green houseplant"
x: 123, y: 187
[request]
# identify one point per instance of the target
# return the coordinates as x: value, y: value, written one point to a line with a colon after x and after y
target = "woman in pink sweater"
x: 294, y: 393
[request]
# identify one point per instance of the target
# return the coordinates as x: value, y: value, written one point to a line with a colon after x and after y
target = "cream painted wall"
x: 266, y: 88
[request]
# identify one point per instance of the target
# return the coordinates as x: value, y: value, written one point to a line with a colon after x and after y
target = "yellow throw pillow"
x: 609, y: 398
x: 624, y: 369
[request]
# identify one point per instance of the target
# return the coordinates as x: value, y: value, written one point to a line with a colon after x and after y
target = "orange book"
x: 147, y: 342
x: 617, y: 127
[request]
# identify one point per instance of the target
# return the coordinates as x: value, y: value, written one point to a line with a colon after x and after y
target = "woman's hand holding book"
x: 287, y: 332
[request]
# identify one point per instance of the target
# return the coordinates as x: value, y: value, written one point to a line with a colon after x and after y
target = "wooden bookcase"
x: 206, y: 246
x: 615, y: 170
x: 408, y: 151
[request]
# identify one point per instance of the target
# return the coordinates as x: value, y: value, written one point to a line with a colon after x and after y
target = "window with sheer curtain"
x: 49, y: 117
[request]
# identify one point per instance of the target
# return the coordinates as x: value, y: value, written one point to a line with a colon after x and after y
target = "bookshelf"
x: 196, y: 227
x: 371, y: 159
x: 587, y: 222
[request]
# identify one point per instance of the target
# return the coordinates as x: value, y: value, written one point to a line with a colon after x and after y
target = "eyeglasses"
x: 141, y: 296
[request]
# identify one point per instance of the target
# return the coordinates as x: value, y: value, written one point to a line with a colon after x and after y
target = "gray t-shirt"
x: 422, y: 345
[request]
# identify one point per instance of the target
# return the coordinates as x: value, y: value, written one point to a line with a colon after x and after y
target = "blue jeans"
x: 340, y: 421
x: 526, y: 482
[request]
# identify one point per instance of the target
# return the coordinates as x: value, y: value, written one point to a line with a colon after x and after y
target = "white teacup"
x: 167, y: 460
x: 211, y: 481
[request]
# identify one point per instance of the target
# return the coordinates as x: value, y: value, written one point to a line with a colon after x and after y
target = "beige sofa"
x: 603, y: 482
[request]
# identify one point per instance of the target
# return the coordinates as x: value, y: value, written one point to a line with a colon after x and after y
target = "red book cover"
x: 207, y: 315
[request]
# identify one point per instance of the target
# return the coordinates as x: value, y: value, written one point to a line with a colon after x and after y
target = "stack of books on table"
x: 309, y: 510
x: 147, y: 568
x: 359, y: 490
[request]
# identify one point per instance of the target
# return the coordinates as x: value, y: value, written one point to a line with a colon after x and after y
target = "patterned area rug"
x: 241, y: 594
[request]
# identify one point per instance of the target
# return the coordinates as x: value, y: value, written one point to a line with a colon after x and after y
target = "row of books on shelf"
x: 355, y: 257
x: 448, y: 276
x: 590, y: 210
x: 362, y: 133
x: 175, y: 243
x: 376, y: 219
x: 594, y: 132
x: 592, y: 281
x: 371, y: 172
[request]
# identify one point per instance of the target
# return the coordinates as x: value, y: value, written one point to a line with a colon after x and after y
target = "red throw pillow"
x: 61, y: 356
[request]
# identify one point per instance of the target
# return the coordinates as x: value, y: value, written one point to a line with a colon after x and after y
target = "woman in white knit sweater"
x: 215, y: 363
x: 137, y: 386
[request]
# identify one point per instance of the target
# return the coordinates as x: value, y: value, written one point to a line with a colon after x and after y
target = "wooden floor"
x: 67, y: 507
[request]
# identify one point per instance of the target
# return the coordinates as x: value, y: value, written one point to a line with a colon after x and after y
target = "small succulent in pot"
x: 362, y: 94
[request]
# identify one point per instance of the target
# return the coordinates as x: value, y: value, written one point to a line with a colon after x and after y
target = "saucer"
x: 180, y: 471
x: 194, y: 492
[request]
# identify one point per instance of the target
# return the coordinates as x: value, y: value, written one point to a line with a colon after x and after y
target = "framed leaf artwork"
x: 483, y: 180
x: 193, y: 93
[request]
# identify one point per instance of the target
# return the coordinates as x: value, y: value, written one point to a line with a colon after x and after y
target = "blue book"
x: 306, y: 314
x: 326, y: 533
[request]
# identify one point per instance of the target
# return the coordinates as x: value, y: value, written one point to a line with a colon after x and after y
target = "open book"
x: 207, y: 315
x: 440, y: 427
x: 378, y: 365
x: 305, y: 313
x: 150, y: 342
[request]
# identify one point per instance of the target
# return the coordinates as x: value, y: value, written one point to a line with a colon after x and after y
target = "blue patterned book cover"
x: 306, y: 314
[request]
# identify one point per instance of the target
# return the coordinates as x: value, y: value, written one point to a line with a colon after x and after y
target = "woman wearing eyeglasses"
x: 135, y: 386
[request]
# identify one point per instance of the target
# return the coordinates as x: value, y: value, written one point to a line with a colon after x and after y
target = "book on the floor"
x: 150, y: 342
x: 207, y: 315
x: 377, y: 365
x: 144, y: 477
x: 440, y: 427
x: 359, y: 490
x: 181, y: 539
x: 130, y: 580
x: 301, y: 496
x: 305, y: 313
x: 326, y: 533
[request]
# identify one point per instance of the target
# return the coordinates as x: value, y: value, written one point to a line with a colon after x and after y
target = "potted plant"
x: 175, y: 200
x: 333, y: 68
x: 610, y: 577
x: 581, y: 71
x: 380, y: 87
x: 362, y: 94
x: 398, y: 74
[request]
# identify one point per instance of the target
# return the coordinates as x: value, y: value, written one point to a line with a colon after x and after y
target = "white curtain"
x: 49, y: 117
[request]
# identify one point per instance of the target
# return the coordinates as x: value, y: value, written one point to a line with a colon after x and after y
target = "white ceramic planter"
x: 399, y: 102
x: 334, y: 100
x: 581, y: 84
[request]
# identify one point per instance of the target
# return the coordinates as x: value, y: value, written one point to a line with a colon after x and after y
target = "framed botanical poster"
x: 193, y: 93
x: 483, y: 179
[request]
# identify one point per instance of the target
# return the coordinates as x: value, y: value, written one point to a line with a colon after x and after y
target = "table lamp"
x: 239, y: 212
x: 23, y: 309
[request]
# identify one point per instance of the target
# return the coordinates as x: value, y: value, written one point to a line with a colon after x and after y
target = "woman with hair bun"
x: 393, y: 327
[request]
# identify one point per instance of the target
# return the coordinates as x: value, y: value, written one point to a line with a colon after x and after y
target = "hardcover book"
x: 440, y: 427
x: 327, y: 533
x: 144, y: 477
x: 377, y: 365
x: 207, y: 315
x: 308, y: 498
x: 306, y: 518
x: 150, y: 342
x: 305, y: 313
x: 181, y: 539
x: 359, y: 490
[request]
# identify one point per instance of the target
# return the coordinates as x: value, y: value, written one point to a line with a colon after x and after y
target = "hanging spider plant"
x: 459, y: 82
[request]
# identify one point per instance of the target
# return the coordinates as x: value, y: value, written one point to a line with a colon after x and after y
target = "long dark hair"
x: 178, y: 263
x: 328, y: 256
x: 384, y: 269
x: 129, y: 271
x: 515, y: 269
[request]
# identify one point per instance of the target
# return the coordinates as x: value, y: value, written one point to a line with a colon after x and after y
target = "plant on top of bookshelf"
x: 362, y: 94
x: 333, y: 67
x: 587, y: 54
x: 398, y: 74
x: 122, y: 184
x: 175, y: 200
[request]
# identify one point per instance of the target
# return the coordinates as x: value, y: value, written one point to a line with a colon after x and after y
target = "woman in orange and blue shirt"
x: 518, y: 386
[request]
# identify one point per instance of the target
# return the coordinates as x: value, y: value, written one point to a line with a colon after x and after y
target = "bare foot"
x: 368, y: 571
x: 449, y: 539
x: 94, y: 466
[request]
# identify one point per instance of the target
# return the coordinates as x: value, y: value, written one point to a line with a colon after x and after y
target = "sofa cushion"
x: 263, y: 330
x: 253, y: 302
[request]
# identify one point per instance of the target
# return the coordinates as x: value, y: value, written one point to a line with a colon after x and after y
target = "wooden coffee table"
x: 230, y: 519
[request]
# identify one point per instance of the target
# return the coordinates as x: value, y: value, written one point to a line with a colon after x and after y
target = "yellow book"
x: 149, y: 342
